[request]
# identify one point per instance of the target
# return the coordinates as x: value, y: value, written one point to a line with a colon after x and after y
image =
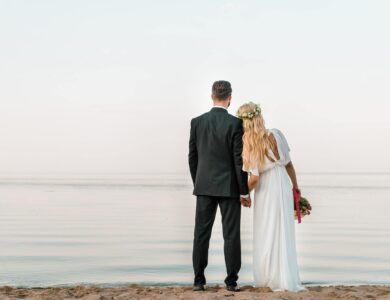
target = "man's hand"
x: 246, y: 202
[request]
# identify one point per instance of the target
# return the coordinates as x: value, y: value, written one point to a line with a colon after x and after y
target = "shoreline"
x: 136, y: 291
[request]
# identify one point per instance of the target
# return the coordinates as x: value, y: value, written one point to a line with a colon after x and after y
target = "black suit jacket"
x: 215, y: 155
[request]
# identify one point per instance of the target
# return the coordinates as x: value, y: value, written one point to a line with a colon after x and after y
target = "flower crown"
x: 251, y: 114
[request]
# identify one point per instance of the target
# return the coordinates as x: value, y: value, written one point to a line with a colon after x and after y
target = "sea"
x: 124, y: 228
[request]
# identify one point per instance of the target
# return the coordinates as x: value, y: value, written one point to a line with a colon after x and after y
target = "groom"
x: 215, y: 162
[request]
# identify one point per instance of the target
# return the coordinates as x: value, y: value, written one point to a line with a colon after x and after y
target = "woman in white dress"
x: 272, y: 177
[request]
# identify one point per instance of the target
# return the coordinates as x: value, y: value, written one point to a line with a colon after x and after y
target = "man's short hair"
x: 221, y: 89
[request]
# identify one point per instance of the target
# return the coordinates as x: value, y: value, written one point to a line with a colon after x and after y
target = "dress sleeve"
x: 254, y: 170
x: 283, y: 147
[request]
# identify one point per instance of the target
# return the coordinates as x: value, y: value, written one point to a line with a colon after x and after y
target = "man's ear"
x: 229, y: 100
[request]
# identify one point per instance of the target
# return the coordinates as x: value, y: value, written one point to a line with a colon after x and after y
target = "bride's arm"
x: 291, y: 172
x: 252, y: 182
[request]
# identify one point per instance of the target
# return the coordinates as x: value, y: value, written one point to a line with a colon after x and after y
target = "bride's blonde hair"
x: 255, y: 138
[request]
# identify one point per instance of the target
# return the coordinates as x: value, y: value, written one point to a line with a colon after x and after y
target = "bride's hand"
x: 297, y: 190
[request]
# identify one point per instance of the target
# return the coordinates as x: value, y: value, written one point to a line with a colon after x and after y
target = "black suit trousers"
x: 206, y: 208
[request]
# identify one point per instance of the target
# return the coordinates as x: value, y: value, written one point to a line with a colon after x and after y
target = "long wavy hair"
x: 256, y: 141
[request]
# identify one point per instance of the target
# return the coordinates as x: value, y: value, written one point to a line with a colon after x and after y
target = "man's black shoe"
x: 233, y: 288
x: 198, y: 288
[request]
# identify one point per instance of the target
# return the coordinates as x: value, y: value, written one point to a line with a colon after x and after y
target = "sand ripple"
x: 214, y: 292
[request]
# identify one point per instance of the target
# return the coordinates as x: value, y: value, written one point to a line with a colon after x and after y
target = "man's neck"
x: 221, y: 104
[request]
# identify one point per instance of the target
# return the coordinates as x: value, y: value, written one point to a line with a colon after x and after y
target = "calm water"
x: 122, y: 228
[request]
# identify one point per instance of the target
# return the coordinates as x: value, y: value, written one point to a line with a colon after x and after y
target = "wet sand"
x: 172, y: 292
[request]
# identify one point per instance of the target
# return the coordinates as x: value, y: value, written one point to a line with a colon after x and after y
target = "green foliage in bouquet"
x: 304, y: 206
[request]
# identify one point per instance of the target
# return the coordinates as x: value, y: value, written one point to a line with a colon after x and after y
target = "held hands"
x: 246, y: 202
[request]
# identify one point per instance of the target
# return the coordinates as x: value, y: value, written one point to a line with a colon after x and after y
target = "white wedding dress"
x: 274, y: 254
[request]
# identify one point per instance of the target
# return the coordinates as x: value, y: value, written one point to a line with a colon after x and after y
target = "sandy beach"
x: 172, y: 292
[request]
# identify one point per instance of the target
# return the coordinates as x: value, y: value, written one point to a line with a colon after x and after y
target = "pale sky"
x: 111, y: 86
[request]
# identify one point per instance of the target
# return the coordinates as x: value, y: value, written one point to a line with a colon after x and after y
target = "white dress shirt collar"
x: 220, y: 107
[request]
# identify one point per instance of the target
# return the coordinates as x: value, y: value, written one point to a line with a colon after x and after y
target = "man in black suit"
x: 215, y: 162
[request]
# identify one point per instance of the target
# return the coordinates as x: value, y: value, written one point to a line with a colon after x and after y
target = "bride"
x: 272, y: 176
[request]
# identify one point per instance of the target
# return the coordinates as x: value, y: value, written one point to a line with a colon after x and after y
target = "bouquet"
x: 302, y: 206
